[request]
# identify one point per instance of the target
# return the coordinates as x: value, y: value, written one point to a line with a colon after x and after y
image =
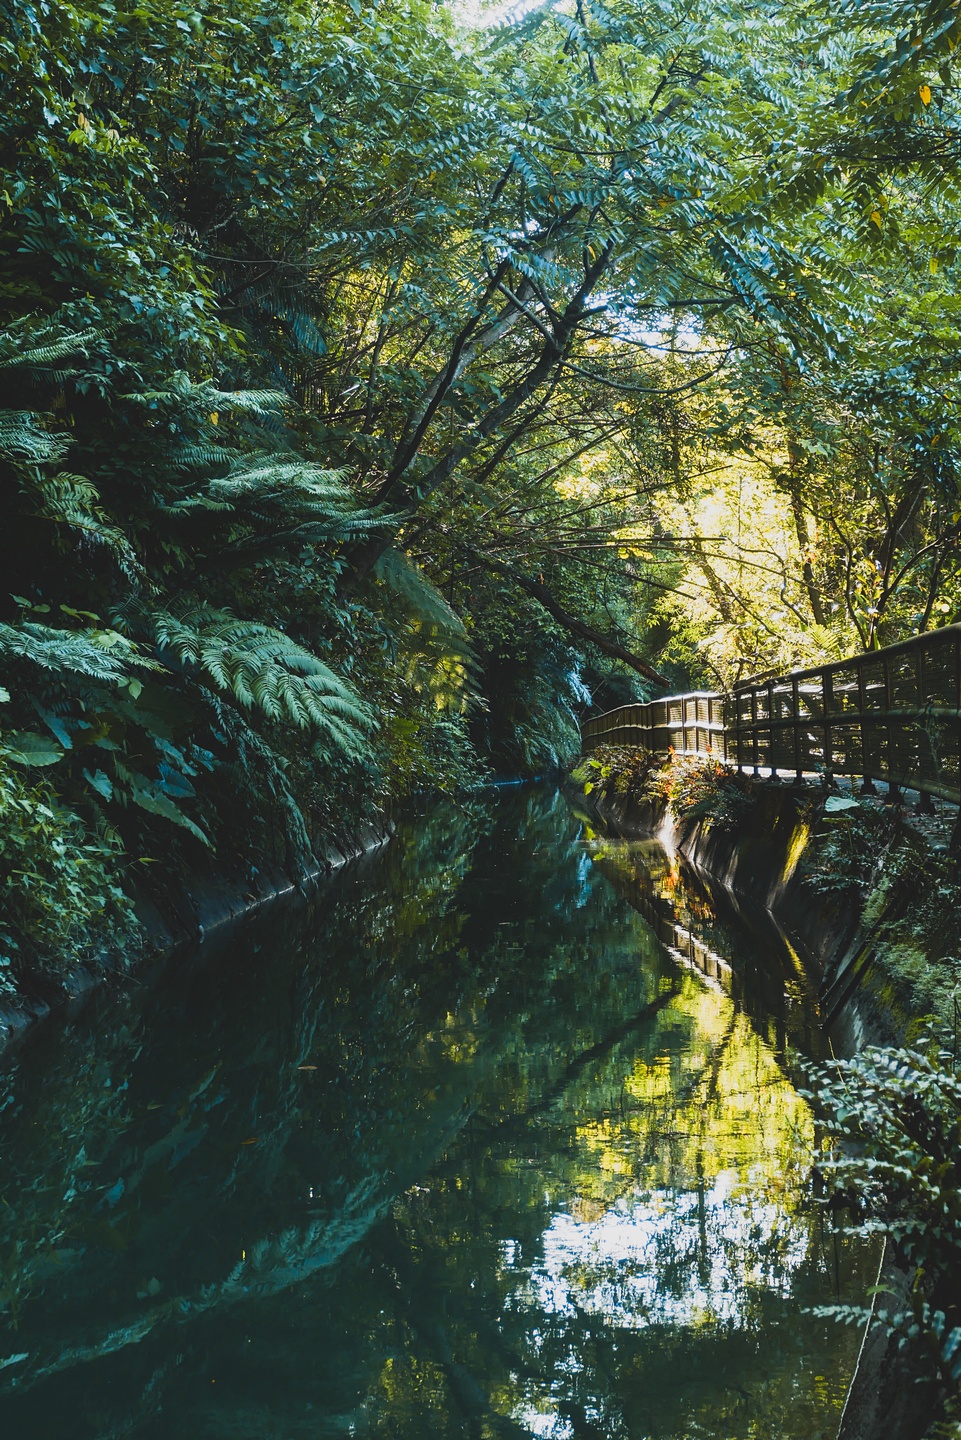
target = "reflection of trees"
x: 708, y: 1147
x: 765, y: 976
x: 200, y: 1234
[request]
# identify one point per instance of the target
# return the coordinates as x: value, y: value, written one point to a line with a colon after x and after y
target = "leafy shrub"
x: 850, y: 850
x: 60, y: 891
x: 692, y: 786
x: 614, y: 770
x: 698, y: 788
x: 893, y: 1119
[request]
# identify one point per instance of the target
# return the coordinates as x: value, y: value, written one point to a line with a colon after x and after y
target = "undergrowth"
x: 693, y: 787
x: 892, y: 1118
x: 851, y: 848
x: 60, y: 882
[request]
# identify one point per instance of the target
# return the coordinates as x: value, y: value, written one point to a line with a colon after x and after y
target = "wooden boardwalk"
x: 892, y: 715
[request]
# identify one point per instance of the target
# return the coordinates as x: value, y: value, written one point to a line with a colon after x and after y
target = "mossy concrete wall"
x: 191, y: 913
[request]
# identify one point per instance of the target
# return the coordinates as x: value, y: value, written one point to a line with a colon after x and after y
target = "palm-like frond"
x: 95, y: 654
x: 201, y: 399
x: 426, y: 606
x: 283, y: 498
x: 24, y: 442
x: 434, y: 646
x: 265, y: 670
x: 254, y: 756
x: 26, y: 347
x: 72, y: 501
x: 283, y: 482
x: 280, y: 476
x: 202, y: 455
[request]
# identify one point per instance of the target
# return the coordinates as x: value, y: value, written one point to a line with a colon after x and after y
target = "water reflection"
x: 462, y: 1152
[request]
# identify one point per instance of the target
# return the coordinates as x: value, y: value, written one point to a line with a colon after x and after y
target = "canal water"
x: 498, y: 1138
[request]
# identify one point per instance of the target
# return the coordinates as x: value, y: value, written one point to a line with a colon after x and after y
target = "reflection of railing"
x: 892, y: 714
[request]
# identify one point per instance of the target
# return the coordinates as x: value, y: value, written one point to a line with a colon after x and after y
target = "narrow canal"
x: 469, y: 1149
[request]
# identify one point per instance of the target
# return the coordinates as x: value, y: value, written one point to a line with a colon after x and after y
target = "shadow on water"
x: 460, y: 1151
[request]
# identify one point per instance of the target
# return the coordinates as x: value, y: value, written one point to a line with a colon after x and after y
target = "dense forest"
x: 386, y: 384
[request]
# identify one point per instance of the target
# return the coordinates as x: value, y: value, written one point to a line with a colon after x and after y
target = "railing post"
x: 754, y: 744
x: 827, y: 695
x: 771, y: 730
x: 796, y: 728
x: 868, y: 786
x: 925, y: 803
x: 894, y: 789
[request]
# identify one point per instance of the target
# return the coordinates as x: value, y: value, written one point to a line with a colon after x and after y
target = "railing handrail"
x: 902, y: 726
x: 913, y: 642
x: 658, y: 700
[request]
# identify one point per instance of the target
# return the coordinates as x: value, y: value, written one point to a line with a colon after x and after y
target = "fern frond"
x: 23, y: 442
x: 73, y: 501
x: 200, y: 399
x: 95, y: 654
x: 255, y: 755
x: 425, y: 604
x: 279, y: 475
x: 23, y: 348
x: 265, y: 670
x: 284, y: 498
x: 202, y: 456
x: 434, y: 646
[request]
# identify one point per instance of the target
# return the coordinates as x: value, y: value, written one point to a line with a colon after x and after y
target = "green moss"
x: 918, y: 986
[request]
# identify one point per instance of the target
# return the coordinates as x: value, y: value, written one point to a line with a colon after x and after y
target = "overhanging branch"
x: 538, y: 591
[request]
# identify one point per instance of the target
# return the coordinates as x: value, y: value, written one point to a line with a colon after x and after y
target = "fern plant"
x: 893, y: 1119
x: 94, y: 654
x: 73, y: 502
x: 264, y: 669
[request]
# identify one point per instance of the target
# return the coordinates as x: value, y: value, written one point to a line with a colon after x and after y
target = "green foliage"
x: 264, y: 669
x: 850, y: 849
x: 367, y: 376
x: 61, y: 881
x: 690, y: 786
x: 615, y: 770
x: 696, y: 788
x: 893, y: 1117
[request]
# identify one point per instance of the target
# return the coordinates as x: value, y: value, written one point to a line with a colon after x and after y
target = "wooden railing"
x: 891, y: 715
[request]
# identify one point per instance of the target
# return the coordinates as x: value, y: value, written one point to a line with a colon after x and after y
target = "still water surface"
x: 463, y: 1152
